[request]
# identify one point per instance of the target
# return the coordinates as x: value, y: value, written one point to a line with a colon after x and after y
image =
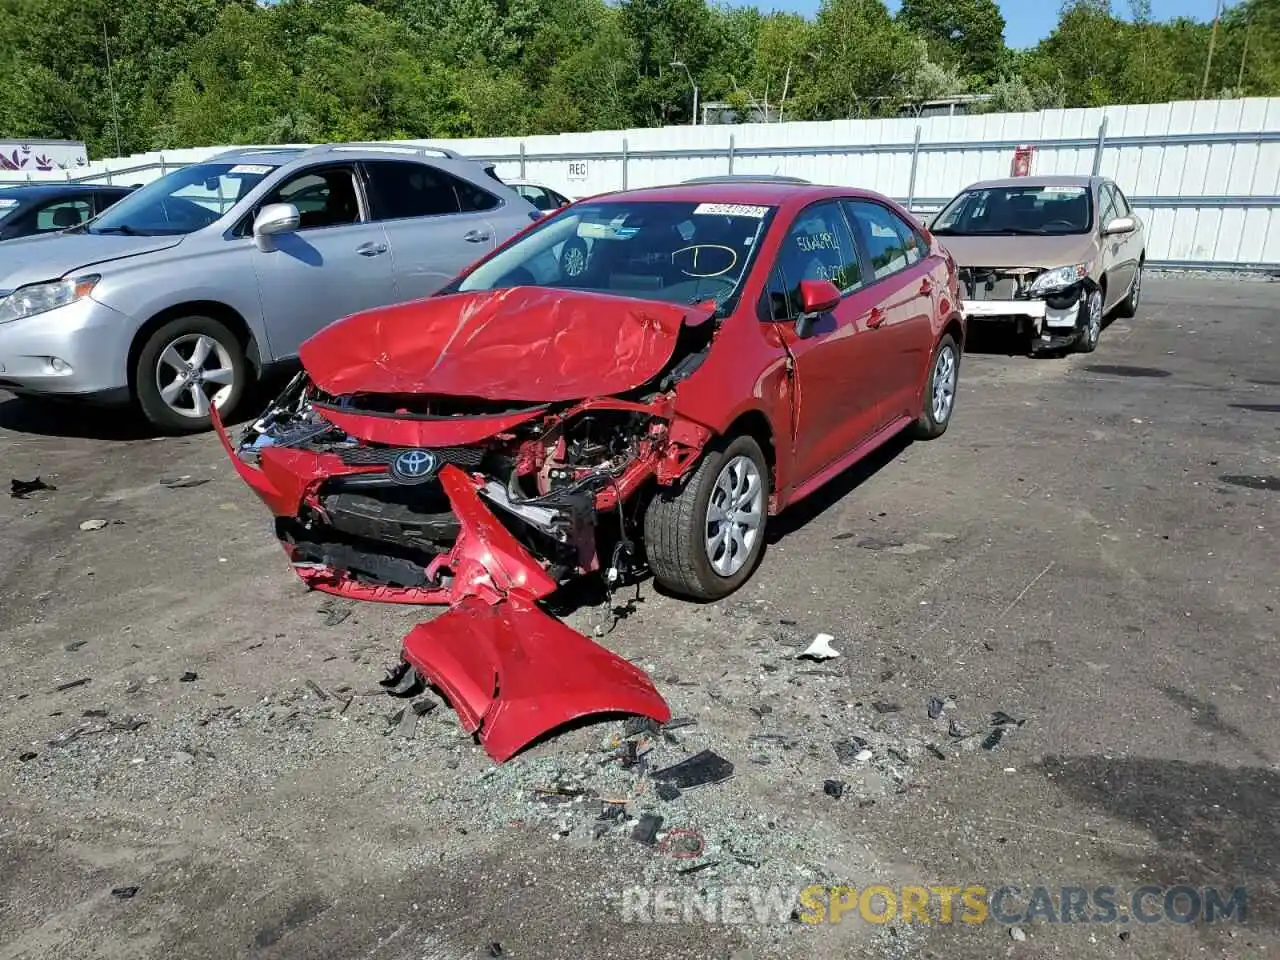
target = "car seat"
x: 67, y: 216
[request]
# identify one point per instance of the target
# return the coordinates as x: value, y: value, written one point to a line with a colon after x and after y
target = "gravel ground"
x: 1090, y: 550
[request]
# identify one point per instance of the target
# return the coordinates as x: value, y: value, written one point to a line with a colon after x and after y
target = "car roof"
x: 38, y: 191
x: 1056, y: 181
x: 768, y: 193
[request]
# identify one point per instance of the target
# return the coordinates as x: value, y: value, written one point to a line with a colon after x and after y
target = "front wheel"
x: 188, y: 367
x: 939, y: 391
x: 705, y: 541
x: 1090, y: 322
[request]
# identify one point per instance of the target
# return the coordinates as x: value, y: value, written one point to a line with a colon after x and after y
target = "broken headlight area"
x: 1059, y: 287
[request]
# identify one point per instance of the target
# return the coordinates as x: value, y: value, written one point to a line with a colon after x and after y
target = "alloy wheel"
x: 195, y: 373
x: 944, y: 384
x: 735, y: 516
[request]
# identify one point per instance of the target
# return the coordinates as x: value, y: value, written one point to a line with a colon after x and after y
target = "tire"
x: 164, y: 360
x: 1129, y: 307
x: 1090, y: 322
x: 935, y: 415
x: 676, y: 525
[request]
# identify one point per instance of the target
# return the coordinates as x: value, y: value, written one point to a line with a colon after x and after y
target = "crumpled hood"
x: 533, y: 344
x: 37, y: 259
x: 1021, y: 251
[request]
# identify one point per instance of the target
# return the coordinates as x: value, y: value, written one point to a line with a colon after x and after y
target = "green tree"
x: 966, y: 34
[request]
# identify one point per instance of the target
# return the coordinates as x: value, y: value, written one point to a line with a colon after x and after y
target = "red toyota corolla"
x: 637, y: 381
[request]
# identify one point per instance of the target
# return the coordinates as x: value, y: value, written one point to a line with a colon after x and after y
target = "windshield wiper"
x: 124, y: 229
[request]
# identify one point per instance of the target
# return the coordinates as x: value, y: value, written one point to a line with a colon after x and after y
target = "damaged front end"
x: 487, y: 507
x: 1045, y: 304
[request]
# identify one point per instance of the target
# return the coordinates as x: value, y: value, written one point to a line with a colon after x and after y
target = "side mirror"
x: 274, y: 220
x: 816, y: 298
x: 1120, y: 225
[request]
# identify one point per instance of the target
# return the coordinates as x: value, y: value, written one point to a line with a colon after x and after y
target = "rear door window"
x: 402, y: 189
x: 891, y: 243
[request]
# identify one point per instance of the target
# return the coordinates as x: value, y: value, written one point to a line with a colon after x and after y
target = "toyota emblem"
x: 414, y: 466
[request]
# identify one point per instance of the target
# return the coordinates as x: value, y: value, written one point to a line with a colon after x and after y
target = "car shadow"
x: 49, y: 417
x: 1210, y: 824
x: 81, y: 421
x: 829, y: 494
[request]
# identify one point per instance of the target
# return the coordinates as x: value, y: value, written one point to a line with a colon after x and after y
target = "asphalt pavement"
x: 196, y: 759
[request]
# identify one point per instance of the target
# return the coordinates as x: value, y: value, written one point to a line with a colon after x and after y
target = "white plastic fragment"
x: 821, y: 648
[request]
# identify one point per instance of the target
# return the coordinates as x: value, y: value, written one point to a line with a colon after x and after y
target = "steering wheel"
x: 1066, y: 223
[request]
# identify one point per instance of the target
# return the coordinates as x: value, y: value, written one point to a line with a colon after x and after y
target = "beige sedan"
x: 1053, y: 255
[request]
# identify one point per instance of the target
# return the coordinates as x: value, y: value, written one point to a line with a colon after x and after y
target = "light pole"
x: 681, y: 63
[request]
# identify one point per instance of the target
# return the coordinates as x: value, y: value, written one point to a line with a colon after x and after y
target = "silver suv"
x: 183, y: 293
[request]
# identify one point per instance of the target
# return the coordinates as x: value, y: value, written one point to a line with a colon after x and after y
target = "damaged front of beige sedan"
x: 1053, y: 257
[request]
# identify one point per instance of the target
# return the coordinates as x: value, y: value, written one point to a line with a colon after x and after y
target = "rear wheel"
x: 188, y: 367
x: 1129, y: 308
x: 939, y: 391
x: 705, y: 540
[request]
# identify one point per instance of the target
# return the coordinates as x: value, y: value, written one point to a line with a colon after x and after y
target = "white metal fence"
x: 1205, y: 174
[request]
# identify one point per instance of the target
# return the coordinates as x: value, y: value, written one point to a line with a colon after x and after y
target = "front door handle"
x: 371, y: 249
x: 875, y: 318
x: 475, y: 236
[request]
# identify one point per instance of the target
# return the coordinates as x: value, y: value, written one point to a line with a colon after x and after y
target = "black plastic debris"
x: 96, y: 712
x: 189, y: 676
x: 401, y: 679
x: 1002, y: 719
x: 127, y: 724
x: 423, y: 706
x: 334, y: 610
x: 640, y: 726
x: 955, y: 729
x: 124, y: 893
x: 675, y: 723
x: 993, y: 738
x: 667, y: 791
x: 885, y: 706
x: 697, y: 867
x: 21, y: 489
x: 75, y: 645
x: 495, y: 949
x: 847, y: 750
x: 833, y: 788
x: 935, y: 706
x: 71, y: 684
x: 701, y: 768
x: 407, y: 728
x: 612, y: 812
x: 937, y: 751
x: 315, y: 688
x: 28, y: 756
x: 646, y: 829
x: 182, y: 483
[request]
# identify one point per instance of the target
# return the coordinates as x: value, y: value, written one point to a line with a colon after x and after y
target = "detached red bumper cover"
x: 512, y: 672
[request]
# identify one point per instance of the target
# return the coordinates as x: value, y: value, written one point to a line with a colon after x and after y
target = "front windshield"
x: 1023, y: 209
x: 181, y: 202
x: 657, y: 250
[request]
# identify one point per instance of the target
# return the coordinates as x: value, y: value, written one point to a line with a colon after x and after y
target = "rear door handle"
x: 475, y: 236
x: 875, y: 318
x: 926, y: 286
x: 371, y: 249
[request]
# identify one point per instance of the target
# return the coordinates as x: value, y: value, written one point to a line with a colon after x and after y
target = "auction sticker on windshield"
x: 6, y: 203
x: 251, y: 169
x: 731, y: 210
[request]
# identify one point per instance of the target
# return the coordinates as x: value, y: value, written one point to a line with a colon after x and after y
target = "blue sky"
x: 1029, y: 21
